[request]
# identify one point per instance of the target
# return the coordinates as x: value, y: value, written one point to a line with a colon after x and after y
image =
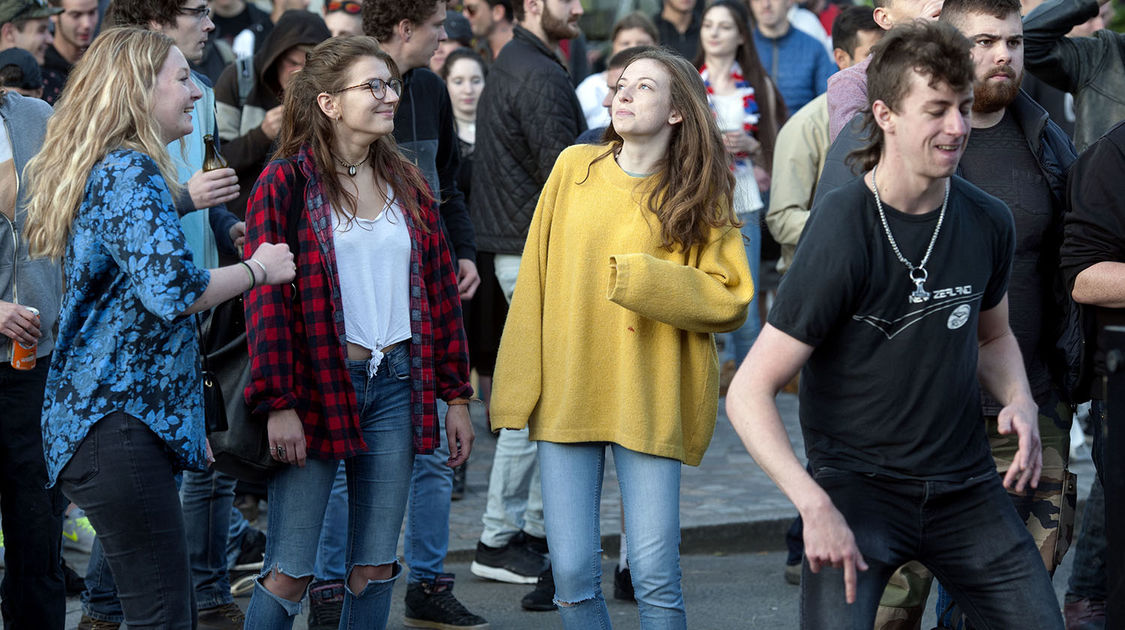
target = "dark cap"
x: 26, y: 63
x: 16, y: 10
x: 457, y: 27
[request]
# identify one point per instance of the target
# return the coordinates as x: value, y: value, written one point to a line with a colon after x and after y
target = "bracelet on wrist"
x: 457, y: 401
x: 265, y: 274
x: 250, y: 272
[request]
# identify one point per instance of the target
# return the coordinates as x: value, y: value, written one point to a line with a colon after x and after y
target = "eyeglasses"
x: 347, y: 6
x: 199, y: 13
x: 378, y: 87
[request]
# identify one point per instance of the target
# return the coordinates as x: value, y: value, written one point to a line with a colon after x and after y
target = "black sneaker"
x: 432, y: 605
x: 543, y: 597
x: 458, y: 482
x: 515, y: 562
x: 534, y: 543
x: 248, y: 566
x: 73, y: 582
x: 326, y: 603
x: 623, y: 584
x: 221, y: 617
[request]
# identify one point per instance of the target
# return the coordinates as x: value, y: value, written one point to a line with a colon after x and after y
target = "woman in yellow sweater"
x: 633, y: 261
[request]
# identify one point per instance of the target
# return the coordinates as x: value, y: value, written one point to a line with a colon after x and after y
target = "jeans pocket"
x: 83, y: 464
x: 398, y: 360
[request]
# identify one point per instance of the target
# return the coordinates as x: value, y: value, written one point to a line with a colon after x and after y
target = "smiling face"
x: 190, y: 29
x: 719, y: 34
x: 997, y: 57
x: 174, y: 97
x: 465, y: 81
x: 929, y: 132
x: 32, y: 35
x: 77, y: 23
x: 642, y: 106
x: 356, y: 110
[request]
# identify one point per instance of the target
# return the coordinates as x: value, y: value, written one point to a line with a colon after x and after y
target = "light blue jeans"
x: 650, y: 492
x: 378, y: 484
x: 737, y: 343
x: 427, y: 524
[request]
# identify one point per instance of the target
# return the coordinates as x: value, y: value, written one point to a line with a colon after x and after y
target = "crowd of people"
x: 414, y: 191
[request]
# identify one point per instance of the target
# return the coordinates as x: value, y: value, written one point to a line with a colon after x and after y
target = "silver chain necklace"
x: 917, y: 274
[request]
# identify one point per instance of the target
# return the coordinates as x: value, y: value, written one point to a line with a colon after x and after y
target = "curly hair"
x: 380, y: 17
x: 935, y: 50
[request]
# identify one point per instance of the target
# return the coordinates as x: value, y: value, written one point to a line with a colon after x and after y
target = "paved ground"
x: 733, y: 520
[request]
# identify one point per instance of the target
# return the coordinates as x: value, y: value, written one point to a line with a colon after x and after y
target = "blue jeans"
x: 378, y: 484
x: 738, y: 342
x: 123, y: 475
x: 967, y: 533
x: 208, y: 499
x: 33, y: 592
x: 427, y: 524
x: 426, y: 540
x: 1088, y: 578
x: 650, y: 492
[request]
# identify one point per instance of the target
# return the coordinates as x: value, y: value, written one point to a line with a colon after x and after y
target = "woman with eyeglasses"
x: 346, y: 364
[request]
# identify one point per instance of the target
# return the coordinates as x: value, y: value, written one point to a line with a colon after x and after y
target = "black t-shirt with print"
x: 891, y: 386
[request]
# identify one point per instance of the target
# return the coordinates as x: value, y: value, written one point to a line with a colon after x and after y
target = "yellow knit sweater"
x: 609, y: 335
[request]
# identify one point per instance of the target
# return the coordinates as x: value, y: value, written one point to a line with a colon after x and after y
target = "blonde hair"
x: 106, y: 105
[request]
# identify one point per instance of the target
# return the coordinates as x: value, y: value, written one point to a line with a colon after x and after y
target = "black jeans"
x: 33, y: 591
x: 967, y: 533
x: 123, y: 475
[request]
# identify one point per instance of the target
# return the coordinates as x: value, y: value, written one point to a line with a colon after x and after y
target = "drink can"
x: 23, y: 356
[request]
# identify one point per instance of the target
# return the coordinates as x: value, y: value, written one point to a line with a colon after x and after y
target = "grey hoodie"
x: 37, y: 283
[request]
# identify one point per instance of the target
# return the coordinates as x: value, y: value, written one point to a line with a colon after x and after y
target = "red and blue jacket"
x: 295, y: 332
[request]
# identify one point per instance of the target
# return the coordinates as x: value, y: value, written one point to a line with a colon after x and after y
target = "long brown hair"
x: 771, y: 107
x: 688, y: 201
x: 326, y: 71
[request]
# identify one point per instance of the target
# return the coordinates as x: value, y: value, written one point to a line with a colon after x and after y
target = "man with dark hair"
x: 75, y: 28
x: 26, y: 24
x: 802, y: 143
x: 1092, y: 68
x: 910, y: 267
x: 411, y: 31
x: 528, y: 114
x: 491, y: 21
x: 678, y: 25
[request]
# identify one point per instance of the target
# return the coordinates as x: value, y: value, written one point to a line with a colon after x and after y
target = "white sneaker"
x: 77, y: 532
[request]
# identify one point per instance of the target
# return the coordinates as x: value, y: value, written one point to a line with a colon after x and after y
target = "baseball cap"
x: 26, y: 63
x: 16, y: 10
x: 457, y: 27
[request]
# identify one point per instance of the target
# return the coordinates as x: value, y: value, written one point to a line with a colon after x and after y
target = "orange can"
x: 23, y: 357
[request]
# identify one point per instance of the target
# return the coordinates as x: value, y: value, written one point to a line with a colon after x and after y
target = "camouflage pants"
x: 1048, y: 511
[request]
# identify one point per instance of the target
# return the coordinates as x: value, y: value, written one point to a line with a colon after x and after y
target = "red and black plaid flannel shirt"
x: 297, y: 345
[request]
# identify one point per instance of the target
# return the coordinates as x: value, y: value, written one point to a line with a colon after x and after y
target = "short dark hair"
x: 955, y: 11
x: 848, y: 24
x: 636, y: 19
x: 140, y: 13
x: 463, y: 53
x: 381, y: 16
x: 509, y: 12
x: 935, y: 50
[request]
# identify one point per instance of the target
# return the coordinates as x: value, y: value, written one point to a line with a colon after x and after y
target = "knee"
x: 285, y: 586
x: 364, y: 573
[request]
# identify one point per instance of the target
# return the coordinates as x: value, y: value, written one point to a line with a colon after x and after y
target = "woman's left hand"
x: 740, y: 142
x: 459, y: 433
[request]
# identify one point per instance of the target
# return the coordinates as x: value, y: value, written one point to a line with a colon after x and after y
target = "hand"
x: 467, y: 278
x: 740, y: 142
x: 1023, y: 418
x: 271, y: 124
x: 238, y: 236
x: 210, y: 453
x: 213, y: 188
x: 18, y: 324
x: 459, y: 433
x: 285, y: 430
x: 278, y: 261
x: 762, y: 177
x: 830, y: 542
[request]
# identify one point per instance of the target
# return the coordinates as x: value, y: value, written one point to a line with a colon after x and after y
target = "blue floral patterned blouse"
x: 122, y: 345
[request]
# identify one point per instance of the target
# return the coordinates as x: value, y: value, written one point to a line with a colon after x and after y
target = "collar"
x: 522, y: 34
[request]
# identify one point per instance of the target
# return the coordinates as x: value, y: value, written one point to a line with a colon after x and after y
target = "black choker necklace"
x: 351, y: 167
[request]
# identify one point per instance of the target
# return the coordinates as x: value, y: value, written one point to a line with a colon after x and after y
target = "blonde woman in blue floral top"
x: 123, y: 408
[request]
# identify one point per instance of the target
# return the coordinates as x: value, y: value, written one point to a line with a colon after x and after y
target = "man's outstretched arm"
x: 773, y: 361
x: 1001, y: 372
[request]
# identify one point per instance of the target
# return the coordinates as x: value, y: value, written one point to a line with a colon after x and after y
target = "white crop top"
x: 373, y: 260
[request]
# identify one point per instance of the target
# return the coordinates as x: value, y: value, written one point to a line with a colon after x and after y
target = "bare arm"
x: 774, y: 359
x: 227, y: 282
x: 1101, y: 284
x: 1001, y: 372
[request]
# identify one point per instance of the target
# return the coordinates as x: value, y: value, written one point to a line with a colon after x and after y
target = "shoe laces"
x: 447, y: 603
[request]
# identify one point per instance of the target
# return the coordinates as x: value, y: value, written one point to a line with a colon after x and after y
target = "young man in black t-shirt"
x: 895, y: 305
